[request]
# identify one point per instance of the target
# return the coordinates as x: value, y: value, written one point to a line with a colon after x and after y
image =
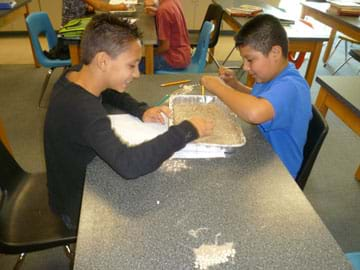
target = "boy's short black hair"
x: 262, y: 33
x: 107, y: 33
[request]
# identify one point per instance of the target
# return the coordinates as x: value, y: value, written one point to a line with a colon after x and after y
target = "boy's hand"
x: 212, y: 83
x: 228, y: 76
x: 155, y: 114
x: 204, y: 127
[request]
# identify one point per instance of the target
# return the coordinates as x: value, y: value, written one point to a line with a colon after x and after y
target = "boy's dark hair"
x: 107, y: 33
x: 262, y: 33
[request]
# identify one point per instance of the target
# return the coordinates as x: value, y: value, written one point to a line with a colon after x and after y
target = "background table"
x: 246, y: 204
x: 348, y: 25
x: 302, y: 38
x: 21, y: 4
x: 145, y: 23
x: 341, y: 94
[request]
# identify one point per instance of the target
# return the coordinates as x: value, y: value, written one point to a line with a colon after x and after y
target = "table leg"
x: 325, y: 100
x: 149, y: 59
x: 320, y: 101
x: 74, y: 50
x: 313, y: 61
x: 329, y: 45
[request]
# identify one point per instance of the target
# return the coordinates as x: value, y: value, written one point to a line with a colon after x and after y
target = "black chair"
x: 26, y: 221
x: 213, y: 14
x: 318, y: 129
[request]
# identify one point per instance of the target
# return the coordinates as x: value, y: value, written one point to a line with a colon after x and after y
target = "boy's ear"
x: 276, y: 50
x: 101, y: 60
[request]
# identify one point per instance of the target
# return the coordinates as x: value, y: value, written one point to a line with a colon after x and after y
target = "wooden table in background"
x: 20, y: 4
x: 348, y: 25
x: 341, y: 94
x: 302, y: 38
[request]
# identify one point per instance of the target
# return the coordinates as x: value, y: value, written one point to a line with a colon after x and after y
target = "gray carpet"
x: 331, y: 188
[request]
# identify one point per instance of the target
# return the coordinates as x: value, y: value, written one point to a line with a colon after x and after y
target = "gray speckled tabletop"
x: 240, y: 212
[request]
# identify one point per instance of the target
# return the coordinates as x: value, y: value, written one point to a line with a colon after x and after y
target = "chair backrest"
x: 317, y: 131
x: 214, y: 14
x: 354, y: 53
x: 199, y: 57
x: 38, y: 23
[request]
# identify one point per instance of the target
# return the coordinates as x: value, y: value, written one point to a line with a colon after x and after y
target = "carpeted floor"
x: 331, y: 188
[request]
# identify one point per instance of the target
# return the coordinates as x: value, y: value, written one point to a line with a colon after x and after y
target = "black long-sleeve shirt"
x: 77, y: 129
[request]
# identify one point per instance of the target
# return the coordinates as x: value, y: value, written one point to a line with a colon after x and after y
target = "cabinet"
x: 15, y: 21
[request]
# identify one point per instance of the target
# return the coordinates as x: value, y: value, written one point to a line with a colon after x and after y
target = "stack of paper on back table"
x: 133, y: 131
x: 244, y: 10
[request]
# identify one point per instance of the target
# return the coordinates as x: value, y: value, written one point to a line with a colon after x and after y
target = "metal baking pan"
x: 235, y: 132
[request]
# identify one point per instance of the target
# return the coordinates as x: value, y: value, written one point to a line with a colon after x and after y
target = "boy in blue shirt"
x: 279, y: 102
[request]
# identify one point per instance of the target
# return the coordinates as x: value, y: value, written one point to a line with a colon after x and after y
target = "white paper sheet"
x: 133, y: 131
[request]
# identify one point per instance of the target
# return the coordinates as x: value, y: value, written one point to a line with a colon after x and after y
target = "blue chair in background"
x: 38, y: 23
x: 354, y: 258
x: 198, y: 59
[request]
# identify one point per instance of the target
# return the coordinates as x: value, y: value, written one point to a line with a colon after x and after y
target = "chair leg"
x: 70, y: 254
x: 211, y: 56
x: 45, y: 84
x: 19, y: 261
x: 227, y: 57
x: 332, y: 53
x: 346, y: 51
x: 343, y: 64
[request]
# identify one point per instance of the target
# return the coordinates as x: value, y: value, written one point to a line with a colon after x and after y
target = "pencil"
x: 202, y: 90
x: 162, y: 101
x: 174, y: 83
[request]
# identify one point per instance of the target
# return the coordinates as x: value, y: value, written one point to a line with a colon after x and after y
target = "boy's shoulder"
x: 289, y: 74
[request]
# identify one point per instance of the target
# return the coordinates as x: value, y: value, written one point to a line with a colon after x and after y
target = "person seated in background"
x: 279, y: 102
x: 73, y: 9
x: 77, y: 127
x: 173, y: 51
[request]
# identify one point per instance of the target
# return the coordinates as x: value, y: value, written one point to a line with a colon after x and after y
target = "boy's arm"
x: 252, y: 109
x: 124, y: 102
x: 164, y: 46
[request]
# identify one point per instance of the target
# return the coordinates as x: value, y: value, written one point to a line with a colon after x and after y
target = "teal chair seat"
x: 198, y: 60
x: 354, y: 258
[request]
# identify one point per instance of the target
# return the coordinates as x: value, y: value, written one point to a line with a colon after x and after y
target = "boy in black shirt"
x: 77, y: 127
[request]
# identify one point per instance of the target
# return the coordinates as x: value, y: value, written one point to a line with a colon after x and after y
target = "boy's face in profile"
x: 262, y: 67
x: 124, y: 68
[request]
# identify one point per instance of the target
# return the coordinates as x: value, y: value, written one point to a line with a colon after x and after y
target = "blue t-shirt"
x: 289, y: 94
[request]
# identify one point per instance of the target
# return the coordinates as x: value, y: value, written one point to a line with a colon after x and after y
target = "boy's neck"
x: 283, y: 65
x: 87, y: 79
